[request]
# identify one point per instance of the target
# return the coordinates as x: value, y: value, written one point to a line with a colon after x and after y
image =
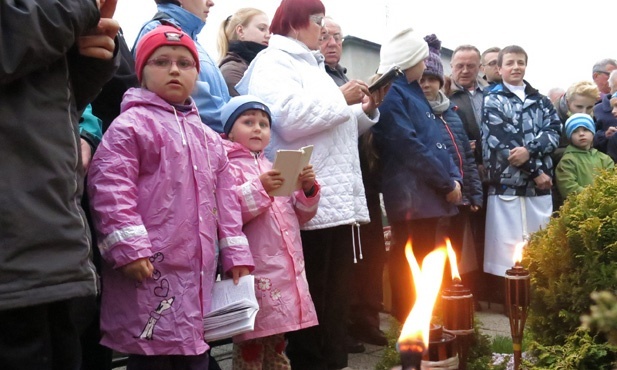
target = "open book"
x: 233, y: 310
x: 291, y: 163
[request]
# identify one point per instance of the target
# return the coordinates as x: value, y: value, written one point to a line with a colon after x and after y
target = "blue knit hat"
x: 238, y: 105
x: 579, y: 120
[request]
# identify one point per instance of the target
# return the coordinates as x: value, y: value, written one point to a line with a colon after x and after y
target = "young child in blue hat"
x: 272, y: 226
x: 580, y: 162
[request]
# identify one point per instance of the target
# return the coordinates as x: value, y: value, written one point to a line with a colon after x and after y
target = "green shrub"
x: 580, y: 351
x: 572, y: 257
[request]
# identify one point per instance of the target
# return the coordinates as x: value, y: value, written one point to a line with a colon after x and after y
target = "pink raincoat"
x: 154, y: 183
x: 272, y: 226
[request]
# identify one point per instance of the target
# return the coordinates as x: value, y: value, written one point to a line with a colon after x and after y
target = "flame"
x: 427, y: 282
x: 517, y: 257
x: 452, y: 259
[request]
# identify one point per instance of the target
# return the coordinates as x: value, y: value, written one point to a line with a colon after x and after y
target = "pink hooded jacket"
x: 272, y: 226
x: 160, y: 186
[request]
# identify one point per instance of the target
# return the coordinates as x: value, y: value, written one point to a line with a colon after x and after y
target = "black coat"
x: 44, y: 85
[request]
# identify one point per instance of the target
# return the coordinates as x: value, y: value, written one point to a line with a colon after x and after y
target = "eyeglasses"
x: 165, y: 63
x: 320, y: 20
x: 604, y: 73
x: 326, y: 37
x: 492, y: 63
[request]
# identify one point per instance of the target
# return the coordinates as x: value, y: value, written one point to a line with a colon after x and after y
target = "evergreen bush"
x: 572, y: 257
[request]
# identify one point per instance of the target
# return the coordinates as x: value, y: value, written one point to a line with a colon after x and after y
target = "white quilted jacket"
x: 308, y: 108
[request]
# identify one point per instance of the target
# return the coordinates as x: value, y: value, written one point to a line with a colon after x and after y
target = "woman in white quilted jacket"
x: 308, y: 108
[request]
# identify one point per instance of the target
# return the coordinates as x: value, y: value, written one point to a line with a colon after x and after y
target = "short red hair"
x: 294, y: 14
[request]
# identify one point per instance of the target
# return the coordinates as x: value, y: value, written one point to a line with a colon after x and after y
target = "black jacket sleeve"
x: 35, y: 33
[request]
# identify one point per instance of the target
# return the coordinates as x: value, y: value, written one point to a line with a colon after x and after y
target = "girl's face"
x: 581, y: 104
x: 311, y: 35
x: 200, y: 8
x: 171, y: 73
x: 430, y: 87
x: 415, y: 73
x: 252, y: 130
x: 256, y: 30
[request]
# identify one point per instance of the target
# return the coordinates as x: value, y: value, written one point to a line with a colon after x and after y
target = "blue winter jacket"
x: 417, y: 169
x: 602, y: 112
x: 455, y: 137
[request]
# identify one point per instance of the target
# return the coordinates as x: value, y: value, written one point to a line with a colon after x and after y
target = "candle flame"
x: 452, y: 260
x: 427, y: 282
x: 517, y: 257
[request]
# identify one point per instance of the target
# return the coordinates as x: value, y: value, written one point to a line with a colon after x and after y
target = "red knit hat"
x: 163, y: 35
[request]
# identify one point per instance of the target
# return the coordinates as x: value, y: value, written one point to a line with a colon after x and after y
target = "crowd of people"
x: 178, y: 151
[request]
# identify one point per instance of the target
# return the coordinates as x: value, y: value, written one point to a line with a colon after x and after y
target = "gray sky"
x: 563, y: 38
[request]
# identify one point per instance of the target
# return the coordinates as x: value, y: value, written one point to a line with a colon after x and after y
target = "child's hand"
x: 271, y: 180
x: 138, y: 270
x: 237, y: 272
x: 455, y: 196
x: 307, y: 178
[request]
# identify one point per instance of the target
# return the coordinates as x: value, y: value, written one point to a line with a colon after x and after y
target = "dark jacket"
x: 338, y: 74
x: 106, y: 106
x: 456, y: 139
x: 461, y: 99
x: 604, y: 119
x: 417, y: 170
x: 44, y: 85
x: 237, y: 60
x: 508, y: 122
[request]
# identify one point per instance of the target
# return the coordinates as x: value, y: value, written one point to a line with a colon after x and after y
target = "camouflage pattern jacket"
x: 509, y: 122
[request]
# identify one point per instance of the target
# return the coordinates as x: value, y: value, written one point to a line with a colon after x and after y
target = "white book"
x: 290, y: 163
x: 233, y: 309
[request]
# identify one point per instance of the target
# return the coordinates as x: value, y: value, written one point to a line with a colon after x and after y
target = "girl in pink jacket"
x: 272, y: 226
x: 160, y: 190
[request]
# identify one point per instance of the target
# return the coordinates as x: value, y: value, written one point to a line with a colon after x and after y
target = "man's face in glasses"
x: 601, y: 78
x: 332, y: 43
x: 489, y: 67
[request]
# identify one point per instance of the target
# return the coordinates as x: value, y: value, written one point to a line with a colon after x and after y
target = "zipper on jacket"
x: 456, y: 148
x: 77, y: 202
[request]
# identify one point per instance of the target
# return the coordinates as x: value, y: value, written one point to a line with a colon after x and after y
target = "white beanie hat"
x: 405, y: 49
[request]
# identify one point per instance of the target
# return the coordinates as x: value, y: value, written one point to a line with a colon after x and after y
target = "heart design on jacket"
x: 163, y: 289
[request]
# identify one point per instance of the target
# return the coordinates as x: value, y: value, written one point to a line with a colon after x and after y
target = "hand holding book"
x: 291, y: 164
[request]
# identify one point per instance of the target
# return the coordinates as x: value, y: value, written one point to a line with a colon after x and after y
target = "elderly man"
x: 367, y: 295
x: 466, y: 91
x: 600, y: 72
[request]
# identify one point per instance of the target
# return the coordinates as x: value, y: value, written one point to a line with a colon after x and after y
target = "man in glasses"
x: 489, y: 66
x: 600, y: 72
x: 466, y: 92
x: 366, y: 287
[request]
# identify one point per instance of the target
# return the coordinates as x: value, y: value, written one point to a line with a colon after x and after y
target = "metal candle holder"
x: 411, y: 352
x: 517, y: 304
x: 458, y: 315
x: 442, y: 349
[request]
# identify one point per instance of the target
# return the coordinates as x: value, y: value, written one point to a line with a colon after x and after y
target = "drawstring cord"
x: 353, y: 239
x: 179, y: 127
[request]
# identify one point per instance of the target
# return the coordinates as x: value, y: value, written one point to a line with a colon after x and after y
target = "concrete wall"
x: 361, y: 58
